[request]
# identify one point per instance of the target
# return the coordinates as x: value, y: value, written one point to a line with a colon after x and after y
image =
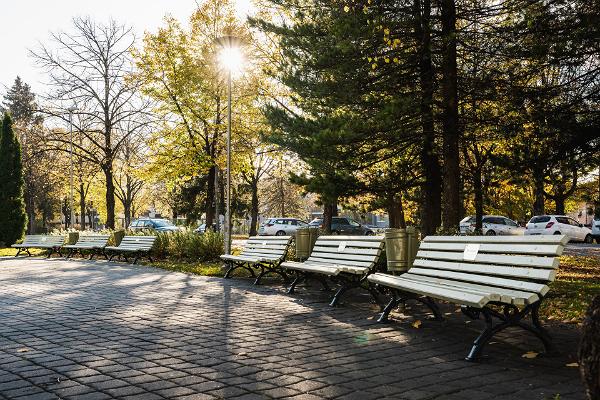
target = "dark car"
x: 344, y: 226
x: 202, y: 228
x: 159, y: 225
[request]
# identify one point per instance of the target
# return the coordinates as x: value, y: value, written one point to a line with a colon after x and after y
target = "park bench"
x: 51, y: 243
x: 346, y: 260
x: 502, y: 278
x: 132, y: 246
x: 93, y: 243
x: 260, y: 252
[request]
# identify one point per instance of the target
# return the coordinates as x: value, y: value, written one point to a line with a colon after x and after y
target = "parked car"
x: 344, y: 226
x: 202, y: 228
x: 157, y: 224
x: 280, y: 226
x: 559, y: 225
x: 596, y: 229
x: 492, y: 225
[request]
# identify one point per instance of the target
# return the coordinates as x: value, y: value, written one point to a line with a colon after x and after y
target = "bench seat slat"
x: 326, y: 261
x: 483, y: 279
x: 442, y: 293
x: 486, y: 269
x: 516, y: 297
x: 330, y: 270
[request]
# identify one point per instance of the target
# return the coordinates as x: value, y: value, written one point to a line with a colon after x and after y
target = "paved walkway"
x: 96, y: 330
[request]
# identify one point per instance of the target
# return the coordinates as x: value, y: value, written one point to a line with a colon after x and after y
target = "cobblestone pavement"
x: 583, y: 249
x: 98, y: 330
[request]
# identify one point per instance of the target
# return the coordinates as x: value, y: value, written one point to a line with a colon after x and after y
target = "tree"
x: 13, y: 219
x: 20, y: 102
x: 88, y: 70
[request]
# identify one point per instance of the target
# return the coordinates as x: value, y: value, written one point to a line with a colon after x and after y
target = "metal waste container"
x: 412, y: 241
x: 303, y: 245
x: 396, y: 250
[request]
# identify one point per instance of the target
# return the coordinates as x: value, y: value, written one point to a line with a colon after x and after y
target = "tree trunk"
x: 209, y: 205
x: 451, y: 172
x: 589, y: 350
x: 82, y: 206
x: 396, y: 212
x: 328, y: 210
x: 217, y: 190
x: 431, y: 210
x: 254, y: 208
x: 538, y: 194
x: 282, y: 197
x: 127, y: 213
x: 110, y: 197
x: 30, y: 210
x: 478, y: 191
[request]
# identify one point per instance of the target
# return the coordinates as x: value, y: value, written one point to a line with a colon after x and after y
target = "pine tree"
x: 12, y: 206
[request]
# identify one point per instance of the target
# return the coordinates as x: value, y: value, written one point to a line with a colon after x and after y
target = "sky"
x: 25, y: 23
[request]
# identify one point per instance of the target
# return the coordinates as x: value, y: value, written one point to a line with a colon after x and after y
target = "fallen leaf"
x: 23, y: 350
x: 572, y: 365
x: 416, y: 324
x: 530, y: 354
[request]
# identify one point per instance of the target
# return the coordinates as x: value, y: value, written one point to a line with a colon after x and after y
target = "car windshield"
x: 316, y: 221
x: 468, y: 219
x: 543, y: 218
x: 161, y: 223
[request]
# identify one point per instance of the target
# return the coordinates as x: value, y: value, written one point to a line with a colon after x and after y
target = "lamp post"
x: 72, y: 196
x: 230, y: 57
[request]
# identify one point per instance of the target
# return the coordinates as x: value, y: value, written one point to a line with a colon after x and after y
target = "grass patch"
x: 577, y: 281
x: 10, y: 252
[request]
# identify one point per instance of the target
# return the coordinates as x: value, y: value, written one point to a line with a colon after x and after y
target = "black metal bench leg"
x: 105, y: 255
x: 538, y: 330
x: 324, y: 283
x: 299, y: 278
x: 18, y: 252
x: 388, y: 309
x: 485, y: 336
x: 263, y: 272
x: 232, y: 267
x: 433, y: 306
x: 336, y: 297
x: 110, y: 257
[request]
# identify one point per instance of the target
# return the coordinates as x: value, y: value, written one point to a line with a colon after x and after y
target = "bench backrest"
x: 526, y: 263
x: 137, y: 243
x: 93, y: 240
x: 45, y: 240
x: 272, y: 247
x: 355, y: 251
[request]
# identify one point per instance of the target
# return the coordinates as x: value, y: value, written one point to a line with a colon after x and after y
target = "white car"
x: 492, y: 225
x: 559, y: 225
x: 280, y: 226
x: 596, y: 229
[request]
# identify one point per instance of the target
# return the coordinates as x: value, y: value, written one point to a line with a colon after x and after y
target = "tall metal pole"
x: 71, y: 199
x: 228, y: 183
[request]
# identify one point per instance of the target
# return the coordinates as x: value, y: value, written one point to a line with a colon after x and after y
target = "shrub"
x: 188, y: 245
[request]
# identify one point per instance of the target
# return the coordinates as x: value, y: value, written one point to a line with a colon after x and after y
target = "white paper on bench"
x: 264, y: 243
x: 471, y: 250
x: 341, y: 247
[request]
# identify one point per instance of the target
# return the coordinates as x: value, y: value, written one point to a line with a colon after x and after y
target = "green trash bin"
x: 117, y: 236
x: 396, y: 249
x: 73, y: 237
x: 412, y: 234
x: 303, y: 246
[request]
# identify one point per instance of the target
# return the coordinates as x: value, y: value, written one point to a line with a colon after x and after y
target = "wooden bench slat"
x: 349, y: 243
x: 448, y: 294
x: 346, y: 262
x: 483, y: 279
x: 516, y: 297
x: 345, y: 256
x: 513, y: 248
x: 486, y: 269
x: 524, y: 261
x: 542, y: 239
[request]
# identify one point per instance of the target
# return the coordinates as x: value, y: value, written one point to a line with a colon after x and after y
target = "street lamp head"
x: 230, y: 55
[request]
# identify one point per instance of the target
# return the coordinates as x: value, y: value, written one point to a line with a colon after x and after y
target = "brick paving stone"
x: 98, y: 330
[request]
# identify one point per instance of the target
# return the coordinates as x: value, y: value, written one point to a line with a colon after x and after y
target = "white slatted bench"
x: 347, y: 260
x: 93, y: 243
x: 51, y: 243
x: 132, y: 246
x: 511, y: 273
x: 260, y: 252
